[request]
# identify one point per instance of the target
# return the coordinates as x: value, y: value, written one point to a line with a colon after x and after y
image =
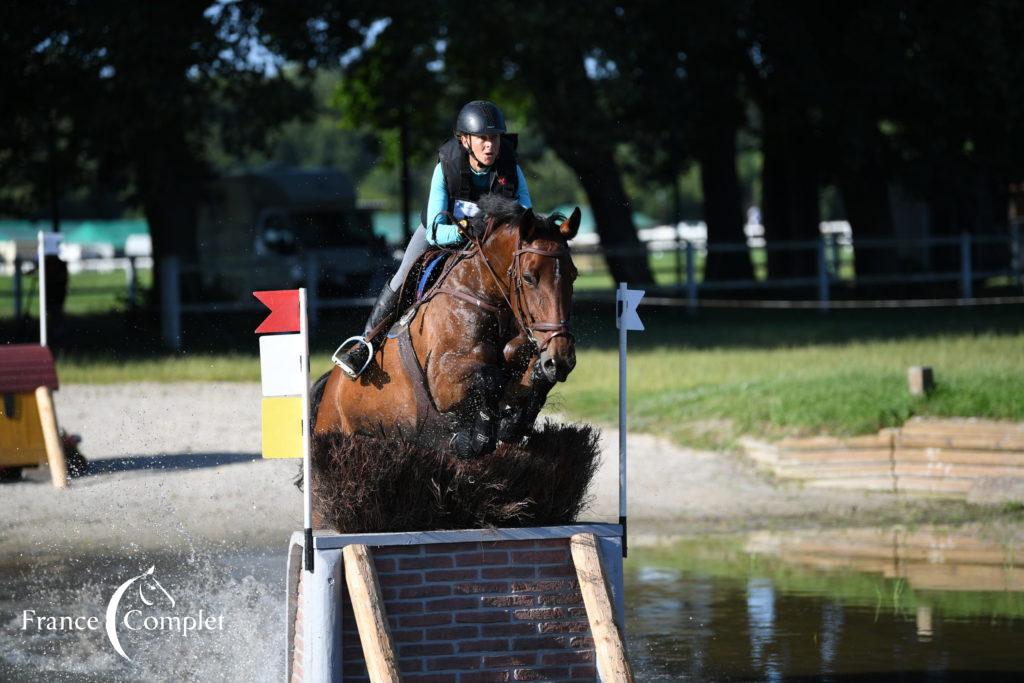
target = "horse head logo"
x: 147, y: 582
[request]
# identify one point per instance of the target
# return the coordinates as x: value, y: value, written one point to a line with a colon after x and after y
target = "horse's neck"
x: 473, y: 275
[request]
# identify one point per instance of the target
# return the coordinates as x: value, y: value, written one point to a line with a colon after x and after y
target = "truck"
x: 280, y: 228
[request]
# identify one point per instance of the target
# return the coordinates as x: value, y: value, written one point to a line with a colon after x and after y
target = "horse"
x: 472, y: 362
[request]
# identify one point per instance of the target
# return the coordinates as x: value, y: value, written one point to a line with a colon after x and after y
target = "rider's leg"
x: 353, y: 359
x: 417, y: 247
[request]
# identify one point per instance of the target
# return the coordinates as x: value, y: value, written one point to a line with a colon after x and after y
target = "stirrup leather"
x: 362, y: 340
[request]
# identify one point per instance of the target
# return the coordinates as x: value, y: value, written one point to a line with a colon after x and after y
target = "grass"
x: 701, y: 380
x: 88, y: 293
x: 709, y: 397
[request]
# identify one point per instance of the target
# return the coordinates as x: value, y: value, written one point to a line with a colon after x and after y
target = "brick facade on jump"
x: 483, y: 611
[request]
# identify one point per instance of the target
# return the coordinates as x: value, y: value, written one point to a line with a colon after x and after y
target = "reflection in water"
x: 761, y: 619
x: 932, y: 605
x: 828, y: 639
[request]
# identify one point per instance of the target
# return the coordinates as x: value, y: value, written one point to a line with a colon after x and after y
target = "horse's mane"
x: 504, y: 210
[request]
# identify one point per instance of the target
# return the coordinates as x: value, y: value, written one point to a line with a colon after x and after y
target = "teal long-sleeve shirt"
x: 440, y: 233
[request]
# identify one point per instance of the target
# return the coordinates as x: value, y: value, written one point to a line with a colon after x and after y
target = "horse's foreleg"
x: 480, y: 414
x: 467, y: 385
x: 523, y: 405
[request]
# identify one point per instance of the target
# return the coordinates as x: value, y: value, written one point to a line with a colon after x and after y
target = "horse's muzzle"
x: 556, y: 368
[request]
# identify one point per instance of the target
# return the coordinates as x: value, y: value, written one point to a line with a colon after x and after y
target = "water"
x: 841, y: 605
x: 831, y: 608
x: 243, y: 590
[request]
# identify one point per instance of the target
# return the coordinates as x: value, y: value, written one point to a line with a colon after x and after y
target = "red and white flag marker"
x: 626, y: 302
x: 284, y: 373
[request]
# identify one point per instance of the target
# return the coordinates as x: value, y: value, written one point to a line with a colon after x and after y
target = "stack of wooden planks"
x: 947, y: 457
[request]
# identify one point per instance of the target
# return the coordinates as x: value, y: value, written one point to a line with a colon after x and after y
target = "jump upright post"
x: 626, y: 318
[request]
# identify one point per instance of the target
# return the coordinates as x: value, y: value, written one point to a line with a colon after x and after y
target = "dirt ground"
x: 178, y: 464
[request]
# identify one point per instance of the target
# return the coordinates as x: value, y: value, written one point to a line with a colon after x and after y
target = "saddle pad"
x: 427, y: 272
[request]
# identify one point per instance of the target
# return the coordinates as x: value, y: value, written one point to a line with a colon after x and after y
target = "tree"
x: 547, y: 55
x: 137, y: 88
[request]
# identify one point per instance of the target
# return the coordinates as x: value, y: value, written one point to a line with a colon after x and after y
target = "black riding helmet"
x: 480, y: 117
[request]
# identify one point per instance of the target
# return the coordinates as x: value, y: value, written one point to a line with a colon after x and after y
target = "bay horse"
x: 471, y: 364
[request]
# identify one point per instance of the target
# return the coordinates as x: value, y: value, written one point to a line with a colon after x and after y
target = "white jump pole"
x: 307, y: 477
x: 621, y: 306
x: 626, y: 302
x: 41, y: 255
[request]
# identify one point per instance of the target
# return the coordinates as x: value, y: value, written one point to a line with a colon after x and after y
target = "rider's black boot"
x: 354, y: 358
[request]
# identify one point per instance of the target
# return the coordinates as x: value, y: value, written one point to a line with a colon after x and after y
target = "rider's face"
x: 485, y: 149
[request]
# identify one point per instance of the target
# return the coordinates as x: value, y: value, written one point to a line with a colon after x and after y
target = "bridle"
x: 516, y: 299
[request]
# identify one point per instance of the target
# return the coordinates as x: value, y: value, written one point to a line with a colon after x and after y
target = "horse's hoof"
x: 509, y: 432
x: 462, y: 445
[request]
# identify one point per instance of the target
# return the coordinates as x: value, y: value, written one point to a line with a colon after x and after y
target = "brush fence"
x: 540, y: 603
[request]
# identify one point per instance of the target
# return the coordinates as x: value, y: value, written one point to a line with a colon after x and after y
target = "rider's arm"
x: 524, y: 193
x: 439, y: 232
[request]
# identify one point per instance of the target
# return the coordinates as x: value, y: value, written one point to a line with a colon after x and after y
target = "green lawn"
x: 709, y: 397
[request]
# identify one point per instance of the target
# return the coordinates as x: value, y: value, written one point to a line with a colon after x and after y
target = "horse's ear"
x: 571, y: 225
x: 526, y: 225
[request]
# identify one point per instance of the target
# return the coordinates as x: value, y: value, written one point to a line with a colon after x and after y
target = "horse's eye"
x: 530, y: 279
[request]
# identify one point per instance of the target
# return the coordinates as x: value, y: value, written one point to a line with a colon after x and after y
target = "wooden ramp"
x: 949, y: 457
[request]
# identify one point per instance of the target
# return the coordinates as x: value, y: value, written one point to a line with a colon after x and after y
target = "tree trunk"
x: 723, y: 211
x: 169, y: 185
x: 790, y: 183
x: 625, y: 254
x: 863, y: 181
x: 581, y: 134
x: 865, y: 193
x: 405, y: 184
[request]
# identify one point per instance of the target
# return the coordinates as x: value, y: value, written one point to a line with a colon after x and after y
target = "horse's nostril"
x: 549, y: 363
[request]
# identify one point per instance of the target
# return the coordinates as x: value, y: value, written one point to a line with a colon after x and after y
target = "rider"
x: 477, y: 160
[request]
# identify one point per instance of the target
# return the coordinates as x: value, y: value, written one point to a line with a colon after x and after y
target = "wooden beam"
x: 51, y: 437
x: 368, y: 605
x: 608, y: 640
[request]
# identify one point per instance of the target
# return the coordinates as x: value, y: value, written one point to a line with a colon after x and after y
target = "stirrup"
x: 369, y: 357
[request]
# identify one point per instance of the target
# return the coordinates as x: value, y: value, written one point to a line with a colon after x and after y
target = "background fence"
x: 677, y: 264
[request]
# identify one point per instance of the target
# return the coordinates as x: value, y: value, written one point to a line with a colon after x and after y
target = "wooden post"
x: 608, y: 640
x: 51, y: 437
x: 691, y: 279
x: 823, y: 294
x: 368, y: 605
x: 920, y: 380
x: 170, y: 302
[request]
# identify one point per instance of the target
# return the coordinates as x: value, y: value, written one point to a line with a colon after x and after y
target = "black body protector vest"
x: 458, y: 175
